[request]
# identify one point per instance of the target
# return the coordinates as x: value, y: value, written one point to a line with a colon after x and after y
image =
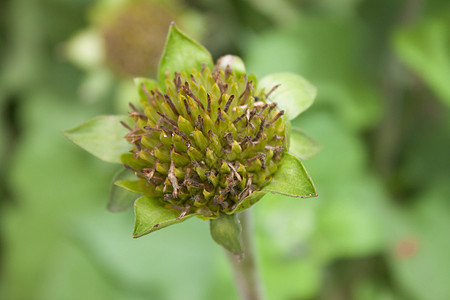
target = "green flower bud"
x: 207, y: 141
x: 209, y: 138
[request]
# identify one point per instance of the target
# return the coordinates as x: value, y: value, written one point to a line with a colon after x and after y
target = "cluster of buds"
x: 205, y: 142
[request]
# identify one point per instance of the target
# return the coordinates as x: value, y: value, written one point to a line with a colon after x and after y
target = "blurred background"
x: 380, y: 228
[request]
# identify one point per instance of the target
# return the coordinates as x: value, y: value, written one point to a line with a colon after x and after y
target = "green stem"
x: 245, y: 272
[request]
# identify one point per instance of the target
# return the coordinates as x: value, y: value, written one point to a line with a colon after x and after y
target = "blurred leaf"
x: 290, y: 279
x: 226, y: 231
x: 426, y: 152
x: 181, y: 54
x: 329, y: 52
x: 151, y: 215
x: 291, y: 179
x: 121, y: 199
x: 343, y: 156
x: 283, y: 230
x: 96, y: 86
x: 293, y: 95
x: 425, y: 49
x: 419, y: 253
x: 48, y: 156
x: 184, y: 254
x: 102, y: 136
x: 302, y: 145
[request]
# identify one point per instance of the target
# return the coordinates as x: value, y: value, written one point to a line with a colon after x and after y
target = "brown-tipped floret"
x: 206, y: 142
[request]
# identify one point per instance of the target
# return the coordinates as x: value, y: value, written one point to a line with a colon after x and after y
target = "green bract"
x: 204, y: 140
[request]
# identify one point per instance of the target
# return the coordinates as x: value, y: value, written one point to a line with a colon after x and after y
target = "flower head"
x: 205, y: 140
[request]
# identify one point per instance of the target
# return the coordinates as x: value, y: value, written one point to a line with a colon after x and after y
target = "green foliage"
x: 302, y: 145
x: 425, y: 48
x: 419, y: 246
x: 291, y: 179
x: 102, y: 136
x: 181, y: 54
x: 196, y: 149
x: 121, y: 199
x: 294, y: 94
x: 372, y: 233
x: 151, y: 216
x: 226, y: 231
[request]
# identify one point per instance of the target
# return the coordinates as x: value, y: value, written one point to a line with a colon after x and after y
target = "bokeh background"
x: 380, y: 228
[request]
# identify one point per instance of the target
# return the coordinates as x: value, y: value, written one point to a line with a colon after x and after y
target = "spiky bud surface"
x: 206, y: 142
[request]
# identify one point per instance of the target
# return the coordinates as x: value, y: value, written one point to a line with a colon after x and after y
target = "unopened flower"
x: 206, y: 140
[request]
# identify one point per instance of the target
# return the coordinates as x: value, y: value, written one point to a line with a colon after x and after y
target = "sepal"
x: 181, y: 53
x: 292, y: 93
x: 151, y: 215
x: 102, y: 136
x: 226, y: 231
x: 121, y: 199
x: 302, y: 145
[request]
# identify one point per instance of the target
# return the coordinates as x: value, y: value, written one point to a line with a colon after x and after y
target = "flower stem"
x: 245, y: 272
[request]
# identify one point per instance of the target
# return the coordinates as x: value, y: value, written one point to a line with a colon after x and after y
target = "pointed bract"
x: 121, y: 199
x: 151, y: 215
x: 181, y: 53
x: 293, y: 93
x: 226, y: 231
x: 291, y: 179
x: 302, y: 145
x: 102, y: 136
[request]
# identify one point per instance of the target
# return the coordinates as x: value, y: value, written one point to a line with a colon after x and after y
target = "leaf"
x: 181, y: 53
x: 302, y: 145
x: 121, y: 199
x: 138, y: 186
x: 226, y: 231
x: 102, y: 136
x: 425, y: 49
x: 151, y: 215
x: 293, y: 95
x: 291, y: 179
x: 235, y: 63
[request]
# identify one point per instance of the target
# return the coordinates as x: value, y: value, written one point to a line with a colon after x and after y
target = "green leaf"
x: 226, y: 231
x: 130, y: 185
x: 235, y: 63
x: 102, y: 136
x: 302, y: 145
x: 293, y: 95
x: 121, y: 199
x: 181, y: 53
x: 138, y: 186
x: 291, y: 179
x: 425, y: 48
x: 151, y: 215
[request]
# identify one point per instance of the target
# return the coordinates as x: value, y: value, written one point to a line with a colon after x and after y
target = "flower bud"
x: 206, y: 141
